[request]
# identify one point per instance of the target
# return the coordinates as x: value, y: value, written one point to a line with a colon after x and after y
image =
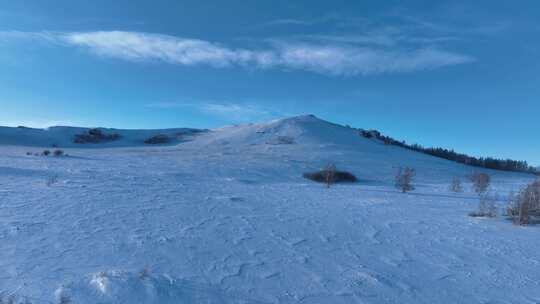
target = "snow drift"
x: 114, y: 287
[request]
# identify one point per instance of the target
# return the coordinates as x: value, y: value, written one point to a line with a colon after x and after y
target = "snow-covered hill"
x: 226, y: 217
x: 64, y: 137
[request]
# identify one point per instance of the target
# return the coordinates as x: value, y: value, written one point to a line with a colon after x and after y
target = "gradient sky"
x: 456, y: 74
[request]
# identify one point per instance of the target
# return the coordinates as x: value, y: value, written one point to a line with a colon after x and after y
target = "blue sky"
x: 457, y: 74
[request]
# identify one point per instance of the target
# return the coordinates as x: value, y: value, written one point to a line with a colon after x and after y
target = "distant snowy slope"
x: 64, y: 136
x: 304, y: 139
x: 311, y: 143
x: 303, y: 129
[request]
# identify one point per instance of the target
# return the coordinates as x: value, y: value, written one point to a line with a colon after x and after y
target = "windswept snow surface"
x: 228, y: 218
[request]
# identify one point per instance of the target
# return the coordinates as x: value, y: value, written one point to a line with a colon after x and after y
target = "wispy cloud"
x: 8, y: 36
x: 346, y: 60
x: 439, y: 27
x: 384, y: 39
x: 143, y: 46
x: 289, y: 22
x: 235, y: 111
x: 231, y: 111
x: 336, y: 57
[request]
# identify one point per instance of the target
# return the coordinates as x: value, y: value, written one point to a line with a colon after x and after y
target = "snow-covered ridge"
x: 305, y: 128
x: 305, y: 132
x: 63, y: 136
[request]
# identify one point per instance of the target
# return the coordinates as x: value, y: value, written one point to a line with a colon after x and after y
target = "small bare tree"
x: 524, y: 213
x: 486, y: 206
x: 480, y: 182
x: 329, y: 174
x: 455, y: 186
x: 526, y: 204
x: 404, y: 179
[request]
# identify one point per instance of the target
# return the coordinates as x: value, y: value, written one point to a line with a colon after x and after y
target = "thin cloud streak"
x: 8, y: 36
x: 328, y: 57
x: 238, y: 112
x: 143, y: 46
x: 350, y: 61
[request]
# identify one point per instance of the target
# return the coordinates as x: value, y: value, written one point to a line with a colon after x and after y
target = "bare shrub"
x: 46, y: 153
x: 58, y: 152
x: 370, y: 133
x: 95, y: 136
x: 285, y: 140
x: 331, y: 175
x: 158, y: 139
x: 404, y: 179
x: 487, y: 206
x: 480, y: 182
x: 525, y: 205
x: 517, y: 211
x: 281, y: 140
x: 455, y: 186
